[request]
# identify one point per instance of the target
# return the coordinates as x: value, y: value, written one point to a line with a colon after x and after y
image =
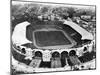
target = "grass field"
x: 52, y: 39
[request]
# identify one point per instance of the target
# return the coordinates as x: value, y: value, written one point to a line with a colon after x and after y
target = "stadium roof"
x: 85, y: 34
x: 19, y: 33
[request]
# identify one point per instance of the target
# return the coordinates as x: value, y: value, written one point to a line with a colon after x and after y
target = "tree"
x: 44, y: 10
x: 71, y: 11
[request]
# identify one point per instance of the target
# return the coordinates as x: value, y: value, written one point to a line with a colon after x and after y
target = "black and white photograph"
x: 52, y: 37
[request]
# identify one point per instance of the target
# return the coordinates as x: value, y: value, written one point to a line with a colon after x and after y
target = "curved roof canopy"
x: 19, y: 33
x: 85, y: 34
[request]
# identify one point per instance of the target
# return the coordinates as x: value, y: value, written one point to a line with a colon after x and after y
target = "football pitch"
x: 52, y: 39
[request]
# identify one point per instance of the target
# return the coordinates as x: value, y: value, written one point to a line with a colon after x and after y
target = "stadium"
x: 51, y: 45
